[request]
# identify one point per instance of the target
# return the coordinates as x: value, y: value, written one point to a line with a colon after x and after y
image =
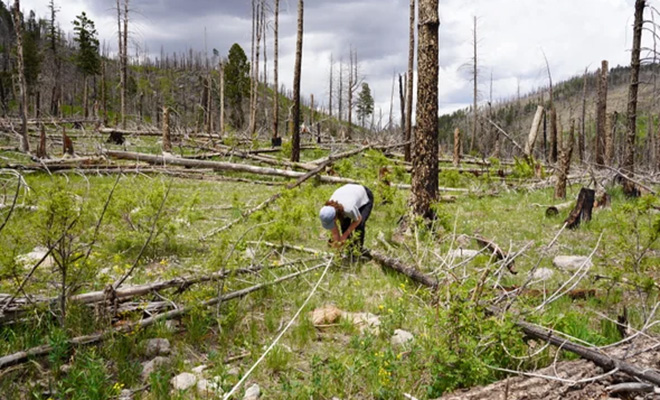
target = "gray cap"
x: 327, y: 215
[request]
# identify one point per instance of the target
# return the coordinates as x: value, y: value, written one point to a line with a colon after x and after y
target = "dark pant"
x: 365, y: 211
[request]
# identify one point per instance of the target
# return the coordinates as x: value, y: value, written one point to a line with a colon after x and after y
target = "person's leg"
x: 365, y: 212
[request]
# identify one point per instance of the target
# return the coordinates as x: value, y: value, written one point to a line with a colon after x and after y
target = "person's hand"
x: 336, y: 245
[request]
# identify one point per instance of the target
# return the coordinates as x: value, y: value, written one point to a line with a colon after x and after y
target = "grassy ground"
x: 455, y: 344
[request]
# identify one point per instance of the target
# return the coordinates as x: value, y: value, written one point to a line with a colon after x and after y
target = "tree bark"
x: 457, y: 147
x: 565, y: 164
x: 295, y: 149
x: 533, y: 132
x: 475, y: 114
x: 582, y: 136
x: 425, y: 157
x: 631, y: 128
x: 582, y: 210
x: 601, y: 115
x: 407, y: 137
x: 276, y: 100
x: 167, y: 142
x: 22, y: 84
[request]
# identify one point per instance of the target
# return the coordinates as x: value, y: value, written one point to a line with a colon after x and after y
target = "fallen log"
x: 602, y: 360
x: 552, y: 211
x: 23, y: 356
x: 218, y: 165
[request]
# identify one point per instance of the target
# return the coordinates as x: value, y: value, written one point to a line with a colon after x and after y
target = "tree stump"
x: 583, y: 208
x: 42, y: 152
x: 67, y: 144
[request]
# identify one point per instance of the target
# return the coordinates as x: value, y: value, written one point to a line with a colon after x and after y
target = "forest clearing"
x: 160, y: 234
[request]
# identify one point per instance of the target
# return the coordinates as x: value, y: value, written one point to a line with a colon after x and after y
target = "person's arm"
x: 351, y: 228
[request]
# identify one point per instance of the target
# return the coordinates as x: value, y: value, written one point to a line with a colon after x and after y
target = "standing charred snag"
x: 553, y: 117
x: 610, y: 133
x: 67, y: 144
x: 408, y: 136
x: 601, y: 114
x: 295, y: 148
x: 582, y: 210
x: 564, y: 164
x: 42, y: 151
x: 582, y: 136
x: 425, y: 157
x: 167, y: 143
x: 475, y: 114
x: 533, y: 133
x: 631, y: 129
x: 457, y: 147
x: 22, y: 84
x: 275, y: 140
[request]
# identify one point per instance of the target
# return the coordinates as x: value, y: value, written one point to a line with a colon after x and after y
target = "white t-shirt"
x: 351, y: 197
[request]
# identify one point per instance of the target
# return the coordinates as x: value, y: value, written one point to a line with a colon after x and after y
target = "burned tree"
x: 601, y: 114
x: 425, y: 156
x: 407, y: 136
x: 22, y: 85
x: 295, y: 149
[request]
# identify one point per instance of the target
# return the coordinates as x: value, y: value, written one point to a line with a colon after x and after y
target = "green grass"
x: 455, y: 340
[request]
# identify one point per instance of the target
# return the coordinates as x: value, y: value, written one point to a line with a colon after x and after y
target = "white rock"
x: 126, y: 394
x: 198, y: 370
x: 365, y: 321
x: 151, y: 366
x: 184, y: 381
x: 157, y: 347
x: 250, y: 253
x: 401, y: 337
x: 462, y: 253
x: 30, y: 259
x: 543, y: 274
x: 253, y: 393
x: 571, y: 262
x: 233, y: 371
x: 208, y: 389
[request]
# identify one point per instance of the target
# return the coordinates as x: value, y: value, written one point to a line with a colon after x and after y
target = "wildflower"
x: 381, y: 307
x: 389, y: 310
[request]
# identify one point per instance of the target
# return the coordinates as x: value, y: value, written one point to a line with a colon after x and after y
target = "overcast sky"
x: 512, y: 37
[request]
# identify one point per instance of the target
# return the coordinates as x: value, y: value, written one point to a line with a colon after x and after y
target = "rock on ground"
x: 253, y: 393
x: 184, y: 381
x: 28, y: 260
x: 543, y: 274
x: 151, y: 366
x: 325, y: 315
x: 157, y: 347
x: 571, y: 262
x: 401, y: 337
x: 462, y: 253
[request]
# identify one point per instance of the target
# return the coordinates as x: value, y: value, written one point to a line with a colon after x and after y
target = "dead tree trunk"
x: 582, y: 210
x: 408, y: 136
x: 533, y: 133
x: 631, y: 128
x: 295, y: 148
x: 475, y: 114
x: 22, y: 84
x: 167, y: 142
x: 276, y: 93
x: 582, y: 136
x: 601, y: 114
x: 457, y: 147
x: 222, y: 99
x: 564, y: 164
x: 425, y: 157
x: 42, y: 151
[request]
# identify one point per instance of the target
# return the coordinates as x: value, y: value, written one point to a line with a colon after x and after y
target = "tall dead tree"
x: 631, y: 127
x: 601, y: 114
x: 54, y: 34
x: 122, y: 36
x: 553, y: 116
x: 582, y: 137
x: 564, y: 164
x: 22, y: 84
x: 475, y: 114
x: 352, y: 88
x: 402, y: 103
x: 295, y: 149
x: 407, y: 136
x: 276, y: 92
x: 221, y: 68
x: 256, y: 23
x: 425, y: 155
x: 332, y: 66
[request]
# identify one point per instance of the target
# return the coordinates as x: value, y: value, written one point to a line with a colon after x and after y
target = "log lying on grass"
x: 553, y: 211
x: 217, y: 166
x: 23, y: 356
x: 600, y: 359
x: 497, y: 251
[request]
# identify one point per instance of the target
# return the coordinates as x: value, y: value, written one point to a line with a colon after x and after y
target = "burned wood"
x: 497, y: 251
x: 217, y: 166
x: 42, y: 151
x: 582, y: 210
x: 601, y: 359
x: 39, y: 351
x: 553, y: 211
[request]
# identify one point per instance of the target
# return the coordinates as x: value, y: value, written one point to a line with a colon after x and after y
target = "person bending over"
x: 350, y: 207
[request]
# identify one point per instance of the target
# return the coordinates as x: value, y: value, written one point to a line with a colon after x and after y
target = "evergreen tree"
x: 31, y: 53
x: 365, y: 103
x: 87, y: 58
x: 237, y: 83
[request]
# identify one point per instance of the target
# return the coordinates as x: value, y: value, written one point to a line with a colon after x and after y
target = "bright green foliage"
x: 237, y: 83
x: 365, y: 103
x: 87, y: 58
